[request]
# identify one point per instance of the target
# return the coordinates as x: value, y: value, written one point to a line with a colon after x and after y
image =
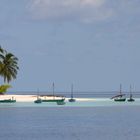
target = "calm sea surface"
x: 119, y: 122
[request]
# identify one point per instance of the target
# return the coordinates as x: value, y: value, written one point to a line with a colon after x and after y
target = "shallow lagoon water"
x: 98, y: 120
x: 101, y: 102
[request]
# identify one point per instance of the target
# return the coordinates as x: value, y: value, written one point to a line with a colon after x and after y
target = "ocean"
x: 119, y: 122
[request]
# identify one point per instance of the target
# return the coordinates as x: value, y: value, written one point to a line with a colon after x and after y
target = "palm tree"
x: 8, y: 65
x: 1, y: 50
x: 1, y: 58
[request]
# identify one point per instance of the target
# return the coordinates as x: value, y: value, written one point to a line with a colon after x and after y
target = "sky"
x: 92, y: 44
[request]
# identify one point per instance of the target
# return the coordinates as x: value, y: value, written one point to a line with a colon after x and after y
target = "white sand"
x: 19, y: 98
x: 32, y: 98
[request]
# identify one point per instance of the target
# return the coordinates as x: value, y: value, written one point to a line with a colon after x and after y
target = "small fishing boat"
x: 72, y: 99
x: 8, y: 101
x: 38, y: 100
x: 120, y: 97
x: 54, y: 99
x: 130, y: 98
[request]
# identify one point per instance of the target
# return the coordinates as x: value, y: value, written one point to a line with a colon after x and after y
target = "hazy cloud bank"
x: 81, y: 10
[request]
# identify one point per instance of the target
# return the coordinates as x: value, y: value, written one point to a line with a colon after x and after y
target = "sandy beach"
x: 32, y: 98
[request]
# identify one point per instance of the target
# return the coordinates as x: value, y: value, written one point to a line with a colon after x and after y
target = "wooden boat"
x: 53, y: 100
x: 72, y: 99
x: 38, y: 101
x: 120, y: 97
x: 8, y: 101
x: 130, y: 98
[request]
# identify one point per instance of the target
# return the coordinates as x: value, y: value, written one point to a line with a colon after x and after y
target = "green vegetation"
x: 3, y: 88
x: 8, y: 68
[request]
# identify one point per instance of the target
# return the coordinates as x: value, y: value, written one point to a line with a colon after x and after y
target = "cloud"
x: 81, y: 10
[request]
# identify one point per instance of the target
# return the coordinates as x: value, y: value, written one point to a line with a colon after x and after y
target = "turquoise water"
x: 96, y: 102
x: 98, y: 120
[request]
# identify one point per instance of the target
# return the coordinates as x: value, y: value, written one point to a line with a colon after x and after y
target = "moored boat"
x: 130, y: 98
x: 53, y: 100
x: 72, y: 99
x: 38, y: 101
x: 8, y: 101
x: 120, y: 97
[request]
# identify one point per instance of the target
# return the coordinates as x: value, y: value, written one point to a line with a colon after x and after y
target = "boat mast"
x: 130, y: 92
x: 53, y: 91
x: 38, y: 92
x: 130, y: 89
x: 120, y: 89
x: 71, y: 91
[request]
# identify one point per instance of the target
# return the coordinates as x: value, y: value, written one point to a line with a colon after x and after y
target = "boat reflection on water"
x: 61, y: 103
